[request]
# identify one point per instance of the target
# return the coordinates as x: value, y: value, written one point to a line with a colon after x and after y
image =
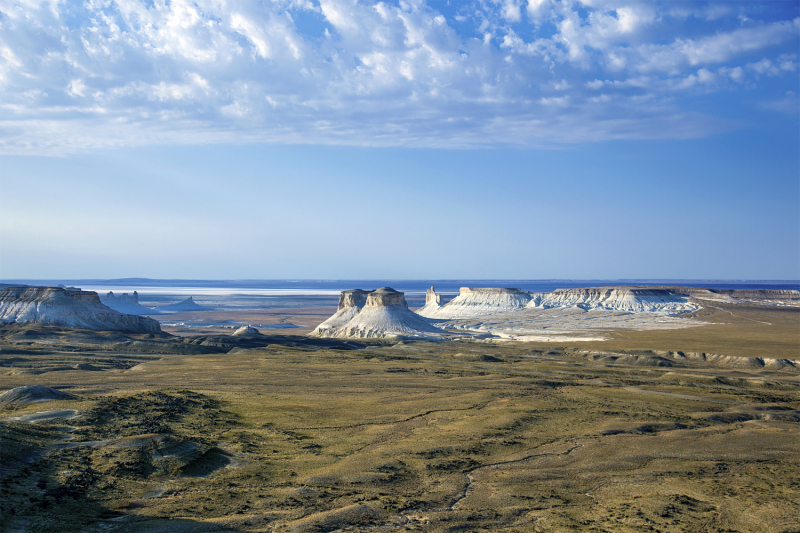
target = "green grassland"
x: 284, y: 434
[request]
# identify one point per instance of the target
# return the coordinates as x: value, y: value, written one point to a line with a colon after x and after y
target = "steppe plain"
x: 205, y: 432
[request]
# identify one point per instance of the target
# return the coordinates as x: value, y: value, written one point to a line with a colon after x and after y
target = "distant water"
x: 277, y: 294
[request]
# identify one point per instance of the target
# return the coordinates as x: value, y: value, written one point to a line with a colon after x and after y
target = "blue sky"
x: 339, y: 139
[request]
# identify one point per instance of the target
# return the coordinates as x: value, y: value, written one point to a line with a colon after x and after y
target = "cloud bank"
x: 81, y: 75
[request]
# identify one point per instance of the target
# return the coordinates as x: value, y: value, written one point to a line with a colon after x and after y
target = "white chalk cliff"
x: 67, y: 307
x: 629, y: 299
x: 384, y: 313
x: 473, y: 302
x: 350, y: 303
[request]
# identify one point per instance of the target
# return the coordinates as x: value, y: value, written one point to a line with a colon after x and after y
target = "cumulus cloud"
x: 78, y: 75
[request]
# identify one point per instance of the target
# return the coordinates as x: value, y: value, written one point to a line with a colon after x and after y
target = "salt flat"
x: 571, y: 323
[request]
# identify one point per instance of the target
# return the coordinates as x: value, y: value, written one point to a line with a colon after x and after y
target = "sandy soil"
x: 308, y: 318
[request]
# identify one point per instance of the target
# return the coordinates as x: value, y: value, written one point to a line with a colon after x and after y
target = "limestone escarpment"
x: 757, y: 296
x: 67, y: 307
x: 658, y: 299
x: 383, y: 314
x: 473, y: 301
x: 629, y: 299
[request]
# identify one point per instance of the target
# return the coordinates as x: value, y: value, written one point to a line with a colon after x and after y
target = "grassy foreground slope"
x: 423, y: 436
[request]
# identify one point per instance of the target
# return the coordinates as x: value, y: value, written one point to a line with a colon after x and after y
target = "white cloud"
x: 76, y: 87
x: 789, y: 104
x: 373, y: 73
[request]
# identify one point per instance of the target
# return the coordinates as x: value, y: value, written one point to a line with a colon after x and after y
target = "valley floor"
x: 211, y: 433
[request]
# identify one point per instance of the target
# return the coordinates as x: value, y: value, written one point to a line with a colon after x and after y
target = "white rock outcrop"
x: 628, y: 299
x: 67, y: 307
x: 383, y: 314
x: 433, y: 301
x: 350, y: 303
x: 247, y: 331
x: 472, y: 302
x: 126, y: 303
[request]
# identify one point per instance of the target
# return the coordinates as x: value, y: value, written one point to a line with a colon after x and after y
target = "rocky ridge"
x: 473, y: 301
x: 67, y: 307
x: 629, y: 299
x: 665, y: 300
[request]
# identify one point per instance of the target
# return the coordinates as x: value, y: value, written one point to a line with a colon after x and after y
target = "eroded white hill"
x: 472, y: 302
x: 629, y: 299
x: 350, y: 303
x: 384, y: 314
x: 67, y: 307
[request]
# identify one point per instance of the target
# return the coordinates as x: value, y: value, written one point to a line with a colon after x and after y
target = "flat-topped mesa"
x: 478, y: 301
x: 634, y: 299
x: 350, y: 303
x: 67, y: 307
x: 386, y: 296
x: 352, y: 298
x: 758, y: 296
x: 384, y: 314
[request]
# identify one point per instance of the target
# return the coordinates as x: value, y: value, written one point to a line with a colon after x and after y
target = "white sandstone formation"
x: 472, y: 302
x: 384, y: 314
x: 433, y: 301
x: 350, y: 303
x: 126, y: 303
x: 247, y: 331
x: 628, y: 299
x: 67, y: 307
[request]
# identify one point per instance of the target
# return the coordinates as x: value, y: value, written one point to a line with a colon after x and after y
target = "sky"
x: 341, y: 139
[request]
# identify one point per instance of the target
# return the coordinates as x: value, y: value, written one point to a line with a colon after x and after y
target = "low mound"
x: 67, y: 307
x: 186, y: 305
x: 385, y: 314
x: 33, y: 394
x: 472, y: 302
x: 154, y: 454
x: 88, y: 367
x: 247, y: 331
x: 355, y: 515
